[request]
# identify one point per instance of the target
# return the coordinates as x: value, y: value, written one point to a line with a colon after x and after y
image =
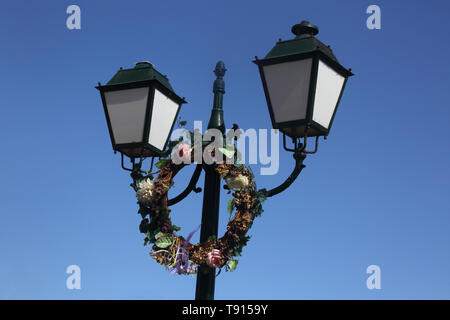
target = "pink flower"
x: 213, y: 258
x: 184, y: 153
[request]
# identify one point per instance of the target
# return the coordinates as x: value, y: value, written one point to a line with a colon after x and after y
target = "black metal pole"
x: 211, y: 195
x: 210, y: 222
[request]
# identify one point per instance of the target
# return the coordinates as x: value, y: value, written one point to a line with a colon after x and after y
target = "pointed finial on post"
x: 216, y: 121
x: 220, y: 70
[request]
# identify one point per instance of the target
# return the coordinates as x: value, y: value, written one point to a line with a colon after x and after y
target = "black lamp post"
x: 211, y: 196
x: 303, y: 83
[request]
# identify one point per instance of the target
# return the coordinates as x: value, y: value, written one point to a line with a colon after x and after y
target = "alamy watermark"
x: 374, y: 20
x: 249, y: 146
x: 74, y: 280
x: 374, y: 280
x: 73, y: 21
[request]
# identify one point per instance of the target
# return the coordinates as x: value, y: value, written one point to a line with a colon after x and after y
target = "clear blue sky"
x: 376, y: 193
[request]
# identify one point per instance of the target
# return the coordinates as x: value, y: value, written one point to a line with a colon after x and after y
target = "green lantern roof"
x: 143, y: 71
x: 303, y: 42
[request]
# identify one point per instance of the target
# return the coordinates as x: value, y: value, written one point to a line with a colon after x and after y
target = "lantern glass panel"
x: 328, y: 89
x: 288, y: 88
x: 163, y: 116
x: 126, y: 110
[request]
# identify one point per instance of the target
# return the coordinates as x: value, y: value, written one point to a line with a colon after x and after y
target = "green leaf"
x: 161, y: 163
x: 159, y: 235
x: 227, y: 152
x: 230, y: 205
x: 163, y: 242
x: 251, y: 172
x: 144, y: 226
x: 237, y: 250
x: 151, y: 235
x: 232, y: 264
x: 175, y: 228
x: 143, y: 211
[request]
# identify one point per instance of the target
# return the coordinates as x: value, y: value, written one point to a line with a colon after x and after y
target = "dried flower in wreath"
x: 175, y: 252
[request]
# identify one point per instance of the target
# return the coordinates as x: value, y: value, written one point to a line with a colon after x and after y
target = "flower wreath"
x: 175, y: 252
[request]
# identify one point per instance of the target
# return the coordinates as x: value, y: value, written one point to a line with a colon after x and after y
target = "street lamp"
x: 303, y: 84
x: 141, y: 109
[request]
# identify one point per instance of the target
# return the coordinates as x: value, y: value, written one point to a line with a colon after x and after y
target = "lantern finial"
x: 305, y: 28
x: 143, y: 64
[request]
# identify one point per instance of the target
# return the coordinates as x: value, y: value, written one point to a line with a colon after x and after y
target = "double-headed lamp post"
x: 303, y: 83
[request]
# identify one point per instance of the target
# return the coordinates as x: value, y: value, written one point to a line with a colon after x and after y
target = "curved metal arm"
x: 299, y: 157
x: 191, y: 187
